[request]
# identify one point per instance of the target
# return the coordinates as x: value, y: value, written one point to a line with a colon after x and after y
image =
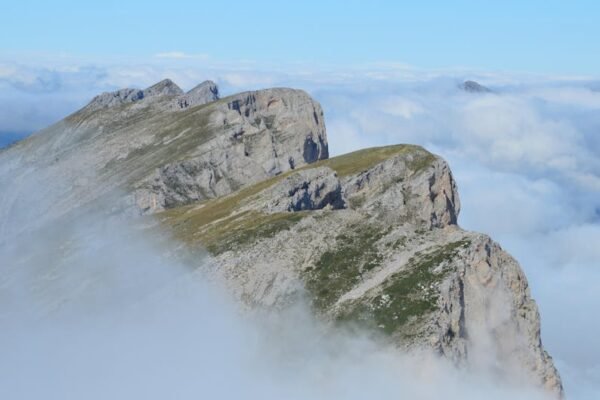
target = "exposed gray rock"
x: 153, y: 158
x: 109, y: 99
x: 415, y: 187
x: 166, y: 87
x: 205, y: 92
x: 312, y: 189
x: 256, y: 135
x: 489, y: 312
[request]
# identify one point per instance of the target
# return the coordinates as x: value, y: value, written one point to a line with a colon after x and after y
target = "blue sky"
x: 524, y: 36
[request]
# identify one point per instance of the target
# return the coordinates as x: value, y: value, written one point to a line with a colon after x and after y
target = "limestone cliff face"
x: 372, y: 238
x: 497, y: 320
x: 369, y: 238
x: 256, y: 135
x: 158, y: 153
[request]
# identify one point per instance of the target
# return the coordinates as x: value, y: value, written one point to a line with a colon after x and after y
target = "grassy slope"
x: 402, y: 301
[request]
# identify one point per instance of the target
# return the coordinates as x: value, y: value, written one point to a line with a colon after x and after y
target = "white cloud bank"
x: 100, y: 309
x: 526, y: 158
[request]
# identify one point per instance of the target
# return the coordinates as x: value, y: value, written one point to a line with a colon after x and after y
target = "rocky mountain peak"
x: 203, y: 93
x: 166, y: 87
x: 206, y: 87
x: 474, y: 87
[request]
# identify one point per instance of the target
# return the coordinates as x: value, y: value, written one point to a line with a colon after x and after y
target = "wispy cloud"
x: 180, y: 55
x: 102, y: 309
x: 525, y: 157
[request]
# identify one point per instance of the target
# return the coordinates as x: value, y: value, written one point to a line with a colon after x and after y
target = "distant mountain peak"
x: 474, y: 87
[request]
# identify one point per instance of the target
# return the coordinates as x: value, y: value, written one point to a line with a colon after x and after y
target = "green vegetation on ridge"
x: 362, y: 160
x: 339, y: 269
x: 407, y: 295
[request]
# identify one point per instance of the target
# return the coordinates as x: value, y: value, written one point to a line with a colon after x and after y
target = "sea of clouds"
x: 99, y: 308
x: 526, y: 158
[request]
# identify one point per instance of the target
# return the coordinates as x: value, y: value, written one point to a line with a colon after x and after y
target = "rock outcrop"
x: 205, y: 92
x: 256, y: 135
x: 369, y: 238
x: 110, y: 99
x: 312, y: 189
x: 166, y: 87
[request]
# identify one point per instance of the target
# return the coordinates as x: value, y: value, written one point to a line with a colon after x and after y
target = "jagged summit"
x: 206, y: 86
x: 203, y: 93
x: 166, y: 90
x: 121, y: 96
x: 166, y: 87
x: 474, y: 87
x: 165, y: 154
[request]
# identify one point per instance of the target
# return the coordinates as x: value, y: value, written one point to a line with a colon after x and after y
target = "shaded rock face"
x: 205, y: 92
x: 369, y: 237
x: 393, y: 188
x: 312, y: 150
x: 313, y: 189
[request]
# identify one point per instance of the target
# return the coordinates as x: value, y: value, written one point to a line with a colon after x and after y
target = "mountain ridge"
x: 370, y: 237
